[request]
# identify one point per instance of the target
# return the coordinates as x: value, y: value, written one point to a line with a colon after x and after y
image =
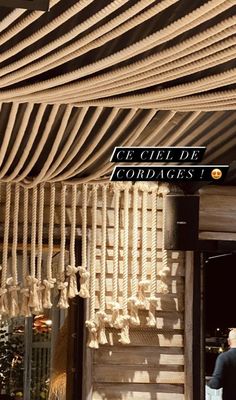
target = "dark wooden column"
x: 75, y: 348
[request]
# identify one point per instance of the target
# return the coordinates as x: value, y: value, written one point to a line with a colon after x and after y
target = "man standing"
x: 224, y: 375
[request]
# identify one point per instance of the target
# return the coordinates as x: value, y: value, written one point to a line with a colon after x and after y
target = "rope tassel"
x: 3, y: 302
x: 14, y: 301
x: 102, y: 320
x: 134, y: 318
x: 48, y: 286
x: 143, y: 286
x: 93, y: 334
x: 124, y: 334
x: 84, y: 282
x: 63, y: 299
x: 33, y: 292
x: 115, y: 320
x: 71, y: 272
x: 25, y: 309
x: 151, y: 319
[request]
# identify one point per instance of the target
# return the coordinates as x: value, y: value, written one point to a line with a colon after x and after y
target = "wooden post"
x: 188, y: 329
x: 75, y: 342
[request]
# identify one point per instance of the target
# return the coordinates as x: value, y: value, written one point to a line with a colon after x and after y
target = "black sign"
x: 41, y: 5
x: 157, y: 154
x: 208, y: 173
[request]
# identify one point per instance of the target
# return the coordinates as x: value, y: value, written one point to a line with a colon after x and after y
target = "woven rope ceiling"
x: 90, y: 75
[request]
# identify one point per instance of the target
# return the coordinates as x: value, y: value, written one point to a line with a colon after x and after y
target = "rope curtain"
x: 32, y: 286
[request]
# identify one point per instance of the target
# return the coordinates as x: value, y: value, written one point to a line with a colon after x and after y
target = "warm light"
x: 48, y: 322
x: 217, y: 329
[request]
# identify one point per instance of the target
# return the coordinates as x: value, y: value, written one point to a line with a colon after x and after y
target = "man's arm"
x: 216, y: 382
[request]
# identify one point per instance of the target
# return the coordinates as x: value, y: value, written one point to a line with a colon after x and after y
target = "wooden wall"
x: 152, y: 366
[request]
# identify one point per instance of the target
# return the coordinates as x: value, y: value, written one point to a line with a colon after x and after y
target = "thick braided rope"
x: 133, y: 300
x: 151, y: 319
x: 3, y: 291
x: 62, y: 159
x: 62, y: 285
x: 124, y: 334
x: 92, y: 323
x: 32, y: 280
x: 205, y: 12
x: 115, y: 306
x: 30, y: 141
x: 8, y: 132
x: 10, y: 18
x: 48, y: 28
x: 23, y: 23
x: 40, y: 287
x: 71, y: 269
x: 197, y: 42
x: 25, y: 309
x: 50, y: 281
x: 144, y: 283
x: 83, y: 270
x: 101, y: 314
x: 18, y: 140
x: 13, y: 281
x: 165, y: 270
x: 98, y: 37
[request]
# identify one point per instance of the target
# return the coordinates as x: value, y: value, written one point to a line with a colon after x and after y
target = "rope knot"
x: 3, y: 301
x: 142, y: 287
x: 134, y: 318
x: 48, y: 285
x: 93, y: 336
x: 124, y: 334
x: 84, y: 282
x: 33, y: 297
x: 102, y: 319
x: 14, y: 302
x: 63, y: 302
x: 115, y: 317
x: 71, y: 272
x: 25, y: 309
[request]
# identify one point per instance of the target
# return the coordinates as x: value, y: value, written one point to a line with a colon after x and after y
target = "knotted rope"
x: 115, y: 306
x: 124, y: 334
x: 50, y: 281
x: 25, y: 309
x: 13, y: 281
x: 144, y: 283
x: 91, y: 323
x: 40, y: 287
x: 151, y: 319
x: 3, y: 291
x: 133, y: 300
x: 61, y: 284
x: 164, y: 272
x: 101, y: 314
x: 31, y: 279
x: 71, y: 269
x: 84, y: 273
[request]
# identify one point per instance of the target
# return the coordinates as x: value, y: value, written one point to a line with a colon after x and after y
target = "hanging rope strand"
x: 62, y: 285
x: 83, y: 271
x: 50, y: 281
x: 165, y: 270
x: 133, y: 300
x: 91, y: 323
x: 115, y: 306
x: 101, y: 314
x: 144, y: 283
x: 40, y: 286
x: 32, y: 280
x: 3, y: 291
x: 13, y: 281
x: 71, y: 269
x: 151, y: 319
x: 124, y: 335
x: 25, y: 309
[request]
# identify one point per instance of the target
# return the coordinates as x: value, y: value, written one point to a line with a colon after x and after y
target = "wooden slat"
x: 230, y: 236
x: 148, y: 338
x: 137, y: 375
x: 138, y: 356
x: 137, y: 392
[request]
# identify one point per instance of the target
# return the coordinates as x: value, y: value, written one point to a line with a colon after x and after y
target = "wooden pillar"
x: 75, y: 351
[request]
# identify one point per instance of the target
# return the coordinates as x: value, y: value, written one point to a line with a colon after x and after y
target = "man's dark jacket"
x: 224, y: 375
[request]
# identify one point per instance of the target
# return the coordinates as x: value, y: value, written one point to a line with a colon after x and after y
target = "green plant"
x: 11, y: 361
